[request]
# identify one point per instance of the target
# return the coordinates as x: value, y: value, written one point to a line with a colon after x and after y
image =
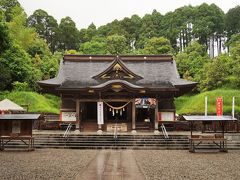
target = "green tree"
x: 20, y: 65
x: 7, y: 6
x: 68, y: 34
x: 232, y: 23
x: 45, y: 25
x: 191, y: 61
x: 4, y: 38
x: 209, y: 25
x: 117, y: 44
x: 5, y: 77
x: 93, y: 47
x: 150, y: 26
x: 216, y: 73
x: 159, y: 45
x: 235, y: 56
x: 21, y: 34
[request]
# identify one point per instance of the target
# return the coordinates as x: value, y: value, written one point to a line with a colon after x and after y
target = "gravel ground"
x: 155, y: 164
x: 44, y: 164
x: 165, y: 164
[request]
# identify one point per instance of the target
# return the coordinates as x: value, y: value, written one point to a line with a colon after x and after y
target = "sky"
x: 100, y: 12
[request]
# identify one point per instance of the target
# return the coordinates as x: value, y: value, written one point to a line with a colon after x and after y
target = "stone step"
x: 122, y: 142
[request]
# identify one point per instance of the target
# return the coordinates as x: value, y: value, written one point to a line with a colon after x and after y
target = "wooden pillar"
x: 133, y: 115
x: 156, y: 116
x: 77, y: 115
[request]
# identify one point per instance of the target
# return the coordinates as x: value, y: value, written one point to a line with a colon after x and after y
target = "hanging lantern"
x: 120, y: 112
x: 123, y: 109
x: 110, y: 109
x: 113, y: 112
x: 116, y: 111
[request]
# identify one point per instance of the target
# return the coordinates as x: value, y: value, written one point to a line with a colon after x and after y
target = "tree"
x: 191, y: 61
x: 45, y: 25
x: 216, y: 73
x: 117, y: 44
x: 183, y: 24
x: 209, y: 26
x: 4, y: 38
x: 86, y: 35
x: 20, y: 65
x: 232, y: 23
x: 68, y: 34
x: 5, y: 77
x: 22, y: 35
x: 147, y: 31
x: 159, y: 45
x: 235, y: 55
x: 93, y: 47
x: 40, y: 48
x: 7, y: 6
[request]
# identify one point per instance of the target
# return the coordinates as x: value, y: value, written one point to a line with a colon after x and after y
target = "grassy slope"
x: 184, y: 105
x: 195, y: 104
x: 37, y: 102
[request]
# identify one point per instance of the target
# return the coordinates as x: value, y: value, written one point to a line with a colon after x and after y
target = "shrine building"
x: 136, y: 92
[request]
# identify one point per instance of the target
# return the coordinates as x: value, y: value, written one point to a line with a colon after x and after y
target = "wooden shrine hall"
x: 136, y: 92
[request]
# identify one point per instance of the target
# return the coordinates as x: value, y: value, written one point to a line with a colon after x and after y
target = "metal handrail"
x: 164, y: 131
x: 67, y: 130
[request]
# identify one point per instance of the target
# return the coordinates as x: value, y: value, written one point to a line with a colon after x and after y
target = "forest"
x: 204, y: 41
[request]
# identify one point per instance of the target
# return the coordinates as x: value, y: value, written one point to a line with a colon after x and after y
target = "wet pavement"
x: 112, y: 165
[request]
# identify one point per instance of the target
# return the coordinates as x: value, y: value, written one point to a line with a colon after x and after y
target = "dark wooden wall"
x: 6, y: 128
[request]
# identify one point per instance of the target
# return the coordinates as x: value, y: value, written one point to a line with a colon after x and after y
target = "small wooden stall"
x: 216, y: 138
x: 9, y: 107
x: 17, y: 127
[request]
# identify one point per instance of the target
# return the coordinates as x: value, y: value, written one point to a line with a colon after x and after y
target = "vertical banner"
x: 219, y: 106
x: 100, y: 112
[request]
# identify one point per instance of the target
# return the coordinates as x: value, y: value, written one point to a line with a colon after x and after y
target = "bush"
x: 20, y: 86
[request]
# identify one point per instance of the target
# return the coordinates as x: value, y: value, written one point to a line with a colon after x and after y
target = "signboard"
x: 16, y: 127
x: 120, y: 127
x: 166, y: 116
x: 145, y: 102
x: 219, y: 106
x: 100, y: 112
x: 68, y: 116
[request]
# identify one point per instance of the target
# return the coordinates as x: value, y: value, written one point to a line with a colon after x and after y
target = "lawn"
x: 195, y: 104
x: 36, y: 102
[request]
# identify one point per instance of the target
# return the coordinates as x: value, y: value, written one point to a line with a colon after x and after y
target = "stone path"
x: 112, y: 165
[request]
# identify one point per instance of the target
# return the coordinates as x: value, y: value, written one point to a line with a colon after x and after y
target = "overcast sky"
x: 100, y: 12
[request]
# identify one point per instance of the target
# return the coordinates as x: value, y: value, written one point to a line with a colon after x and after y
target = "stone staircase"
x: 154, y: 142
x: 144, y: 126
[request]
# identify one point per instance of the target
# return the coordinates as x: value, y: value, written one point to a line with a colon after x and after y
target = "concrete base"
x: 77, y: 131
x: 134, y: 132
x: 100, y: 132
x: 156, y: 132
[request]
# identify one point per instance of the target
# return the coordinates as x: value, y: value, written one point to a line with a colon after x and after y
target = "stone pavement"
x: 112, y: 165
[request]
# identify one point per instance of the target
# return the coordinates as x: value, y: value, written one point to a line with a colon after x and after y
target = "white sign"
x: 167, y: 116
x: 16, y: 127
x: 100, y: 112
x: 68, y: 116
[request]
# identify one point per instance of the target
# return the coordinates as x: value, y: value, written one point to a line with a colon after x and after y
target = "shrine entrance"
x: 114, y: 113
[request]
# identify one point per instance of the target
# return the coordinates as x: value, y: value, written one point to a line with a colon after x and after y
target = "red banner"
x: 219, y: 106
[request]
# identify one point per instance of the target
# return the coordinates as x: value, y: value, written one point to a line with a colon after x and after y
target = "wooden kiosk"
x: 17, y: 127
x: 216, y: 138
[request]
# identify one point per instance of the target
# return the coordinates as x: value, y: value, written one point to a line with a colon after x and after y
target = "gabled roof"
x: 93, y: 71
x: 117, y: 70
x: 7, y: 105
